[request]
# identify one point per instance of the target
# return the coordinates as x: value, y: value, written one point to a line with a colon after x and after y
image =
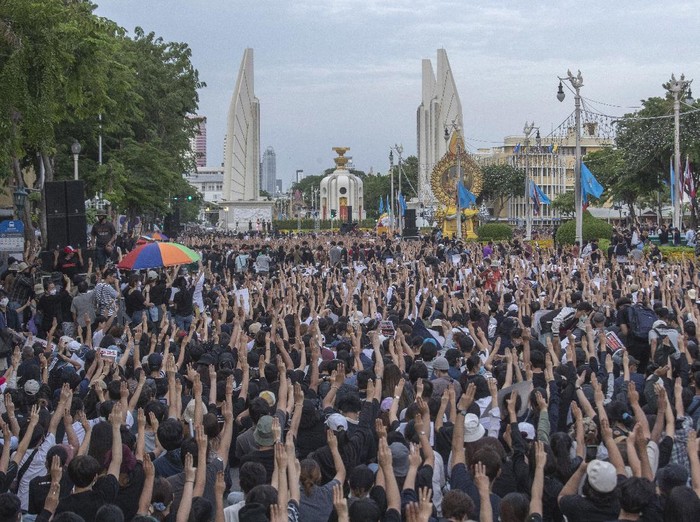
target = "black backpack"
x: 664, y: 349
x: 546, y: 321
x: 641, y: 321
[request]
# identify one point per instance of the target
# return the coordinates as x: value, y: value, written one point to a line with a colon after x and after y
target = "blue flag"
x: 466, y: 198
x: 516, y: 149
x: 589, y: 185
x: 381, y: 205
x: 535, y: 190
x: 402, y: 204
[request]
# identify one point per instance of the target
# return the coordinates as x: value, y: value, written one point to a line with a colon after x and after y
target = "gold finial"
x: 341, y: 160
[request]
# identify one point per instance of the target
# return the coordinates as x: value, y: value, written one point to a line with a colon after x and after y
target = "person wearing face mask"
x: 104, y: 234
x: 8, y: 317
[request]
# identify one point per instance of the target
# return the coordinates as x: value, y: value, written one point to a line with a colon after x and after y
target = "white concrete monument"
x: 341, y: 191
x: 241, y: 203
x: 440, y: 107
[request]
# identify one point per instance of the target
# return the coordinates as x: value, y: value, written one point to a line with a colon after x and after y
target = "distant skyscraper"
x: 278, y: 185
x: 268, y: 171
x: 198, y: 144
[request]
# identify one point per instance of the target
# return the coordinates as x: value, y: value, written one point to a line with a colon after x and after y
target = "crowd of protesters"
x: 352, y: 378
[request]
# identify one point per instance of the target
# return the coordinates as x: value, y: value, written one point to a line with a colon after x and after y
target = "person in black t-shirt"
x: 90, y: 492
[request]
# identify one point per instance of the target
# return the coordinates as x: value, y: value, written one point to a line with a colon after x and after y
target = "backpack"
x: 546, y: 321
x: 641, y: 321
x: 664, y: 350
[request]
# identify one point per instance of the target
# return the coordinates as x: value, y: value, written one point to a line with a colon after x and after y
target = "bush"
x: 494, y: 232
x: 593, y: 228
x: 676, y: 253
x: 308, y: 224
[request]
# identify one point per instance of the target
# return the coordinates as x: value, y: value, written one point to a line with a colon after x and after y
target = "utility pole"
x: 676, y: 87
x: 391, y: 204
x: 576, y: 82
x: 399, y: 152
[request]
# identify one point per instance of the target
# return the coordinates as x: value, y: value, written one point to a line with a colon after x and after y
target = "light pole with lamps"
x: 75, y: 150
x: 455, y: 128
x: 391, y: 173
x: 576, y: 82
x: 676, y: 87
x: 399, y: 152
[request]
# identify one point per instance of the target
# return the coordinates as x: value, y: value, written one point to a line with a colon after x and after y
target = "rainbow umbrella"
x: 159, y: 236
x: 154, y: 255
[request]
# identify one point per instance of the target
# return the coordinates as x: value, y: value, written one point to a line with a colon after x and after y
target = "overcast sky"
x: 348, y: 72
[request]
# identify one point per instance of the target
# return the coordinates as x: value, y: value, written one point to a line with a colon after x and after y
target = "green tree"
x: 564, y: 203
x: 376, y: 186
x: 61, y: 67
x: 409, y: 175
x: 500, y: 183
x: 645, y: 144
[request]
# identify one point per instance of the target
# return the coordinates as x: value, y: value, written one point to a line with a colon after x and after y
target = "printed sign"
x: 12, y: 236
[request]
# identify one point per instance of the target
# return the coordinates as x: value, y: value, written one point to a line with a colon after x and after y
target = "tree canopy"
x: 636, y: 170
x: 500, y: 183
x: 67, y: 74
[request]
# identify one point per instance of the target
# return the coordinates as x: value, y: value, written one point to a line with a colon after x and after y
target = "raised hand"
x: 190, y: 470
x: 467, y: 397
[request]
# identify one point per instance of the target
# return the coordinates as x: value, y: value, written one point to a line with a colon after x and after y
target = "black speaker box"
x: 75, y: 198
x: 77, y: 231
x: 409, y: 218
x: 56, y: 232
x: 349, y: 213
x: 55, y: 197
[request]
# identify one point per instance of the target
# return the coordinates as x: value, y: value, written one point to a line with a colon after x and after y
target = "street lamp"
x: 576, y: 82
x: 399, y: 151
x: 19, y: 198
x: 527, y: 130
x: 676, y: 87
x: 75, y: 150
x: 391, y: 173
x: 455, y: 128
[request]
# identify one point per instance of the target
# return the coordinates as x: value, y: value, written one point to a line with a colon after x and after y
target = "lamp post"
x: 399, y: 152
x: 576, y: 82
x: 676, y: 87
x: 455, y: 128
x: 391, y: 204
x: 75, y: 150
x: 19, y: 198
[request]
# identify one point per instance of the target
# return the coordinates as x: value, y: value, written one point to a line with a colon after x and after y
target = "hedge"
x: 593, y: 228
x: 494, y: 232
x: 308, y: 224
x: 675, y: 253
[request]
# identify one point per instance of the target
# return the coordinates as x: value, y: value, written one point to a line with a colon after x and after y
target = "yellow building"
x: 550, y: 164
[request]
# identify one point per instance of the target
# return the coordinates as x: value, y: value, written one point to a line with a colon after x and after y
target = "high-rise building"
x: 278, y: 186
x: 268, y: 171
x: 198, y: 144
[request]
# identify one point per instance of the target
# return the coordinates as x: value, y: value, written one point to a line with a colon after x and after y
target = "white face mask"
x: 52, y: 291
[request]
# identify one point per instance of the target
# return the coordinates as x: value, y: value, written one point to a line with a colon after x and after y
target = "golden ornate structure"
x: 443, y: 182
x: 341, y: 161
